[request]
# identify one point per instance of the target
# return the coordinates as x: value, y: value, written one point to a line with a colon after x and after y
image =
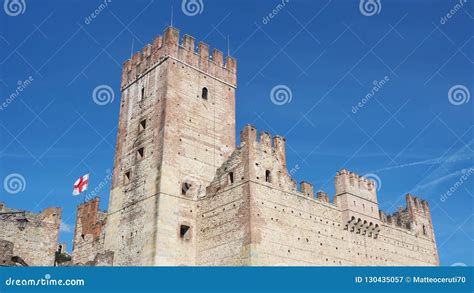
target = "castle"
x: 184, y: 194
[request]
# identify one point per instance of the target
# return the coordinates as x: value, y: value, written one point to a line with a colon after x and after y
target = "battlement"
x: 90, y: 220
x: 350, y: 182
x: 275, y: 145
x: 33, y: 236
x: 416, y: 216
x: 170, y: 46
x: 89, y: 231
x: 49, y: 215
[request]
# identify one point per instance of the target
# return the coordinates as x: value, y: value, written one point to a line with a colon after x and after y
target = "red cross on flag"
x: 81, y: 184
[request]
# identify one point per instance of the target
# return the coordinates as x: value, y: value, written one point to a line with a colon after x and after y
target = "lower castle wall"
x: 36, y: 244
x: 291, y: 229
x: 223, y: 228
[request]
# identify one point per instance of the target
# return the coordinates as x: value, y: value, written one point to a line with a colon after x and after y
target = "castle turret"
x: 356, y: 196
x: 176, y: 127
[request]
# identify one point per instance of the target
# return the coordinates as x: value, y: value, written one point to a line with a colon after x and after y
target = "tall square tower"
x: 176, y: 127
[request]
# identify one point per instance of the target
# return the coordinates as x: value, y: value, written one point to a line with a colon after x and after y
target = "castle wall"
x: 297, y: 230
x: 188, y: 135
x: 263, y: 214
x: 223, y: 234
x: 182, y: 194
x: 36, y: 244
x: 89, y: 232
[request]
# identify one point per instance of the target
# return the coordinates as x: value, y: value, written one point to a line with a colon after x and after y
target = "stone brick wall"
x: 182, y: 194
x: 36, y: 243
x: 187, y: 136
x: 258, y: 220
x: 89, y: 232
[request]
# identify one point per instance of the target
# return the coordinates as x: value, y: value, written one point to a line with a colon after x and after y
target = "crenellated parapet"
x: 182, y: 50
x: 89, y: 231
x: 356, y: 197
x: 416, y: 217
x: 261, y: 157
x: 350, y: 182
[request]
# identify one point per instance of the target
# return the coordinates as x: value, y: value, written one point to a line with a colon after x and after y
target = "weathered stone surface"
x: 183, y: 193
x: 34, y: 236
x: 89, y: 232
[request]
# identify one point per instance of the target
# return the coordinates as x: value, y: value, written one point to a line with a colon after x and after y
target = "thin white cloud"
x: 464, y: 154
x: 439, y: 180
x: 65, y: 228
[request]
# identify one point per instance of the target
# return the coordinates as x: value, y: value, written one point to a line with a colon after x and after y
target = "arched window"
x: 231, y: 177
x: 424, y: 230
x: 204, y: 93
x: 268, y: 177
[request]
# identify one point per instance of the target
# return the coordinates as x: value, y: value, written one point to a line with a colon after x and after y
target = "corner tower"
x: 176, y: 127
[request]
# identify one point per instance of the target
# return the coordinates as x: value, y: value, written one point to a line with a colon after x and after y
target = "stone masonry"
x: 89, y: 232
x: 28, y: 237
x: 183, y: 193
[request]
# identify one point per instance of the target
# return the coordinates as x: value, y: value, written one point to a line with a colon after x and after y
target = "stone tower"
x: 176, y: 127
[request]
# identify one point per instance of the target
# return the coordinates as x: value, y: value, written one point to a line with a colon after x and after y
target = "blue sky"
x: 410, y: 135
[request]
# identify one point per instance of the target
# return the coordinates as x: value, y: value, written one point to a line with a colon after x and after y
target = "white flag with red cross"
x: 81, y: 184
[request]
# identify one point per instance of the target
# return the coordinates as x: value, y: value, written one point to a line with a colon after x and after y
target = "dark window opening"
x: 60, y: 249
x: 127, y: 177
x: 204, y: 93
x: 142, y: 125
x: 140, y: 153
x: 82, y: 236
x: 142, y: 96
x: 231, y: 177
x: 424, y: 230
x: 268, y: 176
x: 185, y: 232
x: 185, y: 188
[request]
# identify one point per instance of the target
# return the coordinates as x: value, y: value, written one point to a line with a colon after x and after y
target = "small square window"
x: 185, y: 232
x: 185, y: 188
x: 142, y: 125
x: 140, y: 153
x: 127, y: 176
